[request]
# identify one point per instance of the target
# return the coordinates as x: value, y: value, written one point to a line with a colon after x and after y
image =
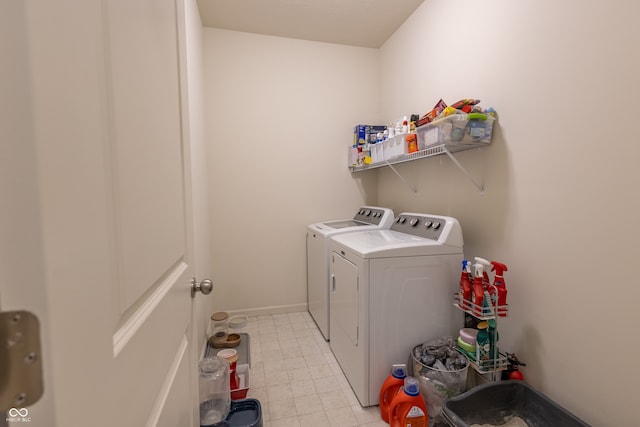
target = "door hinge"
x: 21, y: 382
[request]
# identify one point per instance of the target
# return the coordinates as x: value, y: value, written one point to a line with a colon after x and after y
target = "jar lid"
x: 219, y: 316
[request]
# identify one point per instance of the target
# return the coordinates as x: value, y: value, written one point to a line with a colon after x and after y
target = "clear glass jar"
x: 215, y: 393
x: 219, y: 328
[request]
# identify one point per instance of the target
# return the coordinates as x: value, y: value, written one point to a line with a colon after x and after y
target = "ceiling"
x: 366, y: 23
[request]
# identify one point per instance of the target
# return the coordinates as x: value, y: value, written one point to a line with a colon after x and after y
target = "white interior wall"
x: 560, y: 203
x: 279, y: 117
x: 558, y: 206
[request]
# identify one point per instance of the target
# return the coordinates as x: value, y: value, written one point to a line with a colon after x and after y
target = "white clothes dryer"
x: 390, y: 291
x: 318, y: 234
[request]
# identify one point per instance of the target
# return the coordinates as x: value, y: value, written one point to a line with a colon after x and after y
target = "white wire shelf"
x: 486, y: 366
x: 480, y: 312
x: 436, y: 150
x: 500, y: 362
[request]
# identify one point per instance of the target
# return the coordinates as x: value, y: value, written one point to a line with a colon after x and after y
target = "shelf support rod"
x: 413, y: 189
x: 457, y: 163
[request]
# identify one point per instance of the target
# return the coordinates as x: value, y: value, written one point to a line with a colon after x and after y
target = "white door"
x: 96, y: 207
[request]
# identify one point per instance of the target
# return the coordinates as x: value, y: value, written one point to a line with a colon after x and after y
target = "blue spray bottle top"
x: 466, y: 266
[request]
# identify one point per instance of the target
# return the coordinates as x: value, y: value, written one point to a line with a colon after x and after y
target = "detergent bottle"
x: 465, y: 284
x: 390, y: 388
x: 408, y: 408
x: 483, y: 346
x: 500, y: 287
x: 478, y: 291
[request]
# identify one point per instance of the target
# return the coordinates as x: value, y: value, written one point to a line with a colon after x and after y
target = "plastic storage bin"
x: 456, y: 129
x: 395, y: 146
x: 497, y: 403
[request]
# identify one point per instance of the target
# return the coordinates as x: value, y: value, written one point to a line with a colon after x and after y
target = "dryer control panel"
x: 370, y: 215
x: 429, y: 227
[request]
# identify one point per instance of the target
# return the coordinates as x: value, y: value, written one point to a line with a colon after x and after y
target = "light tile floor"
x: 296, y: 378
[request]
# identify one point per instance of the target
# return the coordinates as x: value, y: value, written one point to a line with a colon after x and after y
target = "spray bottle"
x: 478, y: 292
x: 485, y: 275
x: 485, y: 303
x: 500, y: 287
x: 465, y: 284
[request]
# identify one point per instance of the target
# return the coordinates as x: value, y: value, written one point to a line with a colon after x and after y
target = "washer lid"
x: 366, y: 218
x: 343, y: 224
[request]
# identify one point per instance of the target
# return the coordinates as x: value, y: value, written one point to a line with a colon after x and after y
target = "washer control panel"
x: 369, y: 215
x: 425, y: 226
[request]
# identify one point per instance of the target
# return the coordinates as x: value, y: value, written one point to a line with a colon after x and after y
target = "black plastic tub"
x: 497, y: 403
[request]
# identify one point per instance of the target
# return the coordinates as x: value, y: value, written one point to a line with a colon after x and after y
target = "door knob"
x: 205, y: 286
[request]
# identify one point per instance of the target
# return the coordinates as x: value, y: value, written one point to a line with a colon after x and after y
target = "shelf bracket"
x: 466, y: 172
x: 413, y: 189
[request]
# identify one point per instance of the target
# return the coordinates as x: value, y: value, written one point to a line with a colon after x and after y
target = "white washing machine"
x: 366, y: 218
x: 390, y: 291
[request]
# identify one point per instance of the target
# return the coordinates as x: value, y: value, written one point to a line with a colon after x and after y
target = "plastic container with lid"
x: 457, y: 129
x: 219, y: 328
x: 214, y: 390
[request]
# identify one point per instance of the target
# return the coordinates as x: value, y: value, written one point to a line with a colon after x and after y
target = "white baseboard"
x: 266, y: 311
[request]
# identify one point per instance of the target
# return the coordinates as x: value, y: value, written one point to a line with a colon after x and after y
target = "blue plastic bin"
x: 243, y: 413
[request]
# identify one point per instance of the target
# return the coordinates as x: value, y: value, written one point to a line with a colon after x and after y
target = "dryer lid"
x: 390, y: 243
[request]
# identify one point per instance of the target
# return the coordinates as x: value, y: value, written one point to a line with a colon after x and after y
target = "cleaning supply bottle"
x: 487, y: 304
x: 500, y: 287
x: 483, y: 346
x: 478, y: 291
x: 494, y: 339
x: 390, y: 388
x: 465, y: 284
x: 408, y: 408
x: 485, y: 275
